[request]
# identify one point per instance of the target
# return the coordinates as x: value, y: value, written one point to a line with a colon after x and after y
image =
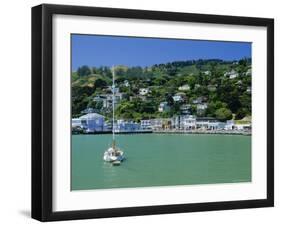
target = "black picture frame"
x: 42, y: 111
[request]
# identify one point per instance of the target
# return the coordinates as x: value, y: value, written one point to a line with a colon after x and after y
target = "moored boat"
x: 113, y: 154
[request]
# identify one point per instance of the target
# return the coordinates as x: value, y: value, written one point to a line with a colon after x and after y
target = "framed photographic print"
x: 145, y: 112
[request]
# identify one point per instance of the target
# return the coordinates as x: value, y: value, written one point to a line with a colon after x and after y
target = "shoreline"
x: 244, y: 133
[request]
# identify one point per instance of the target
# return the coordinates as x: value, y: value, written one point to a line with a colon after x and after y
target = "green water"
x: 160, y: 160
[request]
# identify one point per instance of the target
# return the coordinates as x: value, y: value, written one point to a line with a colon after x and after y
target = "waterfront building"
x: 164, y: 107
x: 216, y: 125
x: 93, y: 122
x: 145, y: 124
x: 175, y: 121
x: 76, y: 122
x: 187, y: 122
x: 156, y: 124
x: 205, y: 122
x: 126, y: 126
x: 243, y: 127
x: 230, y: 125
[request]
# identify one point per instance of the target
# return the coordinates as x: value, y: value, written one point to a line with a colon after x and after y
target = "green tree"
x: 100, y: 83
x: 83, y: 71
x: 223, y: 114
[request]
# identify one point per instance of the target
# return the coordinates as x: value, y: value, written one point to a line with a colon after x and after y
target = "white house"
x: 212, y: 88
x: 216, y: 125
x: 201, y: 108
x: 198, y: 100
x: 93, y: 122
x: 249, y: 71
x: 163, y: 107
x: 126, y: 83
x: 232, y: 74
x: 185, y: 87
x: 143, y: 91
x: 107, y: 99
x: 179, y: 97
x: 185, y: 109
x: 205, y: 122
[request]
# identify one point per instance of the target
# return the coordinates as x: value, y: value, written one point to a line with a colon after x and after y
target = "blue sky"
x: 96, y: 50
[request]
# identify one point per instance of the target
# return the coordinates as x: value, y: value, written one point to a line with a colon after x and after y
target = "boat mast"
x: 113, y: 107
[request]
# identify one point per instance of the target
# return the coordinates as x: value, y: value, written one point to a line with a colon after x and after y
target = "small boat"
x: 113, y: 154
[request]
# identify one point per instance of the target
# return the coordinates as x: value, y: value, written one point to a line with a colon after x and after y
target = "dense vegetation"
x: 226, y: 97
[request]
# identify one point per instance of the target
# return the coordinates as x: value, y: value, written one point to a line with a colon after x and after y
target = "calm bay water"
x: 160, y: 160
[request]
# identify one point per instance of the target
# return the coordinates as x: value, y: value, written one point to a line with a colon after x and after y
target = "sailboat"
x: 113, y: 154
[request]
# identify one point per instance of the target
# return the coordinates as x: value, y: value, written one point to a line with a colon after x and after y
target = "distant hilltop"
x: 204, y: 88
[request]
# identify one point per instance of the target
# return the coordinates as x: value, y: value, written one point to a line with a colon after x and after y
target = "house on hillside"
x: 185, y: 87
x: 164, y: 107
x: 207, y: 72
x: 179, y: 97
x: 231, y: 74
x: 212, y: 88
x: 249, y: 71
x: 143, y: 91
x: 107, y: 99
x: 201, y: 108
x: 197, y: 100
x: 126, y: 83
x: 185, y: 109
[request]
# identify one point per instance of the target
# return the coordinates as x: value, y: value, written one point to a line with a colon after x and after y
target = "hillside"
x: 214, y: 88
